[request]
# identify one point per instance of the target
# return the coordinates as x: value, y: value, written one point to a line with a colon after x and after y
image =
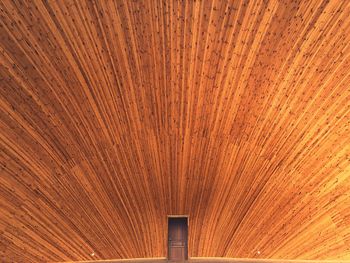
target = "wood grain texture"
x: 212, y: 260
x: 115, y: 114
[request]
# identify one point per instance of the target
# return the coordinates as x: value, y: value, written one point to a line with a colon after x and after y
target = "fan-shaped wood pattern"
x: 115, y: 114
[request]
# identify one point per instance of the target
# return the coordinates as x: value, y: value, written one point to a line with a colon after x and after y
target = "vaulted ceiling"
x: 115, y: 114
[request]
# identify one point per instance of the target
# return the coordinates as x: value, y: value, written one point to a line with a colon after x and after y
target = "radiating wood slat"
x: 115, y: 114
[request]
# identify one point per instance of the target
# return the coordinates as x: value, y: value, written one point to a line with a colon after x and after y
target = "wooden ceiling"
x: 115, y: 114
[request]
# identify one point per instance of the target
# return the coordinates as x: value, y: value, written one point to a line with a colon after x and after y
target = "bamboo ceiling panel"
x: 115, y: 114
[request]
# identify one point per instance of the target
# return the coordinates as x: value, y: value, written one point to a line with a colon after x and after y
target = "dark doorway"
x: 177, y: 238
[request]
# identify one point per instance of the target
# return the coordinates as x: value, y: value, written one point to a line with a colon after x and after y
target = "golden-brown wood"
x: 115, y: 114
x: 212, y: 260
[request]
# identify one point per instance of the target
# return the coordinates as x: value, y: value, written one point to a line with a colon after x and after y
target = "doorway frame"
x: 167, y: 231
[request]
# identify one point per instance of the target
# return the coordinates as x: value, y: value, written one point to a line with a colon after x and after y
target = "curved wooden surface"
x: 115, y: 114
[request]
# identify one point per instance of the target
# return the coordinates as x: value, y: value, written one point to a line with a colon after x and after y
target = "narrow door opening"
x: 177, y: 238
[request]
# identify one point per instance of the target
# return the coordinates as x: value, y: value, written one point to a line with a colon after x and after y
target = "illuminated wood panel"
x: 115, y: 114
